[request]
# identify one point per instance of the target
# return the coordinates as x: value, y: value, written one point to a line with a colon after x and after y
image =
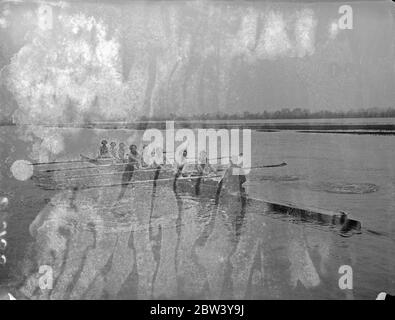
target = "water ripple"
x: 276, y: 178
x: 344, y: 187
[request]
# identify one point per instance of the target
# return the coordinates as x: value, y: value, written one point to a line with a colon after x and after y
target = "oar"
x: 83, y: 159
x: 89, y: 167
x: 57, y: 162
x: 135, y: 170
x: 110, y: 163
x: 81, y: 168
x: 165, y: 170
x: 104, y: 165
x: 268, y: 166
x: 86, y: 167
x: 148, y: 181
x: 262, y: 166
x: 116, y: 172
x: 87, y: 159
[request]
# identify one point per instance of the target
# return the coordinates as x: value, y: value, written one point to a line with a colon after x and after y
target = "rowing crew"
x: 119, y: 154
x: 156, y: 157
x: 112, y: 152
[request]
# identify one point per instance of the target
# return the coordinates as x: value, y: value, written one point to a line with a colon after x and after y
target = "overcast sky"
x: 116, y: 61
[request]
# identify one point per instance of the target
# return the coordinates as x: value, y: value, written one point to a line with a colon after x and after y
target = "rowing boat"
x: 106, y: 173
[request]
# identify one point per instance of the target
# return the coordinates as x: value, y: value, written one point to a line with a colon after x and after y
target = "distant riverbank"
x: 380, y: 126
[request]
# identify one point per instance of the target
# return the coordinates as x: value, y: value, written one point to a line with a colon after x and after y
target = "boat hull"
x: 122, y: 175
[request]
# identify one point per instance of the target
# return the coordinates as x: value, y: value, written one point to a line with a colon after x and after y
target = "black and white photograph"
x: 217, y: 151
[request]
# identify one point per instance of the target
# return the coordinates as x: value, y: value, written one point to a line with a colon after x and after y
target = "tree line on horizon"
x: 285, y: 113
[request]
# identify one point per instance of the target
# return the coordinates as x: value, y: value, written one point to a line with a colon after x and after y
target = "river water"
x: 157, y: 243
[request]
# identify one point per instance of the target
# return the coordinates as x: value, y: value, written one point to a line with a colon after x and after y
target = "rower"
x: 236, y: 163
x: 133, y: 163
x: 134, y: 157
x: 180, y: 163
x: 203, y: 166
x: 121, y: 151
x: 113, y: 151
x: 103, y: 151
x: 155, y: 160
x: 143, y: 152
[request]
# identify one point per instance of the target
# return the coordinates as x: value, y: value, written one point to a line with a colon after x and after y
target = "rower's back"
x: 233, y: 181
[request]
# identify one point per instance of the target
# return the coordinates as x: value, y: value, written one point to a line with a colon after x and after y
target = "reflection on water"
x: 277, y: 178
x: 344, y: 187
x: 340, y: 187
x: 159, y: 242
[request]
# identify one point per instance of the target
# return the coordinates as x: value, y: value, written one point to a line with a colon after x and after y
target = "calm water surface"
x: 157, y: 243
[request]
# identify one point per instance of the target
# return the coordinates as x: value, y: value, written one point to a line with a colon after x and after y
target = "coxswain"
x: 103, y: 151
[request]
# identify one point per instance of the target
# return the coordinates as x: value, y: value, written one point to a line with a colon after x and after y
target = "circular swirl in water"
x: 345, y: 187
